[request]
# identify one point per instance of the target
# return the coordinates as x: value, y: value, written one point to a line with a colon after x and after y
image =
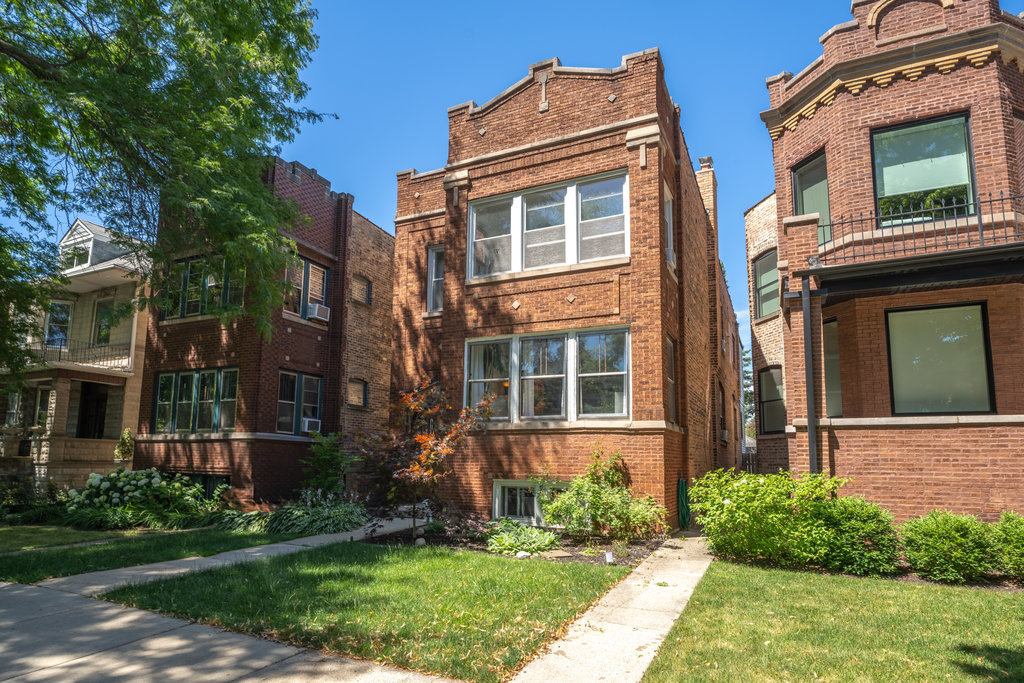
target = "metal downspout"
x: 812, y: 411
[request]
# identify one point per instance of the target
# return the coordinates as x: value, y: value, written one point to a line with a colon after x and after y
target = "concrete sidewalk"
x: 617, y: 639
x: 95, y: 583
x: 50, y: 635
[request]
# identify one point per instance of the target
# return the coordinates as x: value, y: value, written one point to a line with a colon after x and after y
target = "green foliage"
x: 145, y: 110
x: 327, y: 463
x: 863, y: 539
x: 772, y: 518
x: 125, y: 447
x: 512, y: 539
x: 127, y: 498
x: 599, y: 502
x: 944, y: 546
x: 1008, y: 537
x: 315, y: 514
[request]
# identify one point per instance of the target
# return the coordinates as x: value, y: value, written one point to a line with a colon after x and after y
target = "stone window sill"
x: 556, y: 270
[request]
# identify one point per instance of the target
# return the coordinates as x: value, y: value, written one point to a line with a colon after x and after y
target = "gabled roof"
x: 82, y: 229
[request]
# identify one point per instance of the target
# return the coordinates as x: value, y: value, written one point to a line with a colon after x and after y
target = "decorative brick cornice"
x: 877, y: 10
x: 912, y: 71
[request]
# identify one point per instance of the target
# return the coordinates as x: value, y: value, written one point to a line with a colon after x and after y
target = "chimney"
x: 708, y: 186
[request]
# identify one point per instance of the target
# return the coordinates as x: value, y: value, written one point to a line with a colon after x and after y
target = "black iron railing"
x: 933, y: 227
x: 116, y: 356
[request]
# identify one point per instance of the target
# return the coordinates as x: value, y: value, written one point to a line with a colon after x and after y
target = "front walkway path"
x: 95, y: 583
x: 616, y: 639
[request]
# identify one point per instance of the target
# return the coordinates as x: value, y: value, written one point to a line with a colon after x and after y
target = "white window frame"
x: 435, y: 280
x: 572, y: 398
x: 78, y: 244
x: 496, y: 500
x: 572, y: 224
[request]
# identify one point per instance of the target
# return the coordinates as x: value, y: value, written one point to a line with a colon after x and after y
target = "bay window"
x: 923, y: 166
x: 939, y: 360
x: 562, y: 376
x: 582, y: 220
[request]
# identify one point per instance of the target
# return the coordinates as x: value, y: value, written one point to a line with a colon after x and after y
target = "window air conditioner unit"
x: 319, y: 312
x: 725, y: 435
x: 310, y: 425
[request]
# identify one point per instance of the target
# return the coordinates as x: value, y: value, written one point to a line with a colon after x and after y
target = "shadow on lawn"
x: 992, y: 663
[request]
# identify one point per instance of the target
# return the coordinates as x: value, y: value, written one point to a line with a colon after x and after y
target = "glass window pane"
x: 286, y: 387
x: 228, y: 410
x: 435, y: 284
x: 770, y: 384
x: 101, y: 326
x: 285, y: 417
x: 603, y: 395
x: 493, y: 255
x: 58, y: 324
x: 921, y: 166
x: 773, y: 417
x: 833, y: 385
x: 938, y: 360
x: 543, y: 356
x: 810, y: 194
x: 499, y: 388
x: 604, y: 246
x: 545, y: 209
x: 542, y: 397
x: 194, y: 287
x: 311, y: 397
x: 183, y: 417
x: 493, y: 219
x: 295, y: 275
x: 229, y: 385
x: 488, y: 360
x: 601, y: 198
x: 766, y: 278
x: 318, y: 285
x: 544, y: 247
x: 770, y: 399
x: 602, y: 352
x: 215, y: 283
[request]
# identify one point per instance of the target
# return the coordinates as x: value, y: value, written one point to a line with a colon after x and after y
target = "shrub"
x: 509, y: 537
x: 126, y: 498
x: 314, y: 514
x: 863, y: 540
x: 328, y: 463
x: 1008, y: 537
x: 943, y: 546
x: 773, y: 518
x: 599, y: 502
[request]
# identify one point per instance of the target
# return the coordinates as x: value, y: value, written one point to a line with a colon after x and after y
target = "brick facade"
x: 898, y: 63
x: 261, y: 463
x: 558, y: 125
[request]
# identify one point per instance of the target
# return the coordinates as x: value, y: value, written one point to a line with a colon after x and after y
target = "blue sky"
x: 391, y: 70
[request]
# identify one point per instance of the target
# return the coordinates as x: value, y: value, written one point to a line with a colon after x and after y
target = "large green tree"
x: 150, y: 113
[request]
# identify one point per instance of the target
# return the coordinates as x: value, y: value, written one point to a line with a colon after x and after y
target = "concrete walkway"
x: 616, y: 639
x: 53, y: 631
x: 95, y: 583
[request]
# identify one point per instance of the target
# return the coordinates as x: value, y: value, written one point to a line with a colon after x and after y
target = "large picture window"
x: 923, y: 166
x: 939, y: 360
x: 196, y: 401
x: 771, y: 401
x: 810, y: 194
x: 582, y: 220
x: 563, y: 376
x: 766, y: 284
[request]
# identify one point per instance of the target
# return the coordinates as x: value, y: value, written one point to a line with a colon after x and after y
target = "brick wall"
x: 555, y: 126
x: 263, y: 465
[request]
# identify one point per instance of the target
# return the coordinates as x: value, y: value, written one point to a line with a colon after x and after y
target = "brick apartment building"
x: 221, y: 404
x: 895, y: 242
x: 565, y: 260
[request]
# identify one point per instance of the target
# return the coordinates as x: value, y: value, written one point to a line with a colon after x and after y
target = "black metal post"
x: 812, y: 411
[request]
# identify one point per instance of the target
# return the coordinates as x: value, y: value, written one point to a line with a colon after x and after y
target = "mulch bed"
x: 568, y: 551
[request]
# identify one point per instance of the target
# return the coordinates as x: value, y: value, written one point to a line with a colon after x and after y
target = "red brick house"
x: 887, y: 270
x: 565, y: 260
x: 221, y: 404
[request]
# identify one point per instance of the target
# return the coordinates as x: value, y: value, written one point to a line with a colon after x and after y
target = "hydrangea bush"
x: 126, y: 498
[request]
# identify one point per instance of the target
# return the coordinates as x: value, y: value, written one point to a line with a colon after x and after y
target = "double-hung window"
x: 298, y: 402
x: 923, y: 171
x: 582, y: 220
x: 196, y: 401
x: 552, y: 376
x: 939, y: 360
x: 102, y: 322
x: 58, y: 325
x: 766, y: 284
x: 771, y: 401
x: 670, y: 384
x: 308, y: 288
x: 435, y: 278
x: 810, y: 194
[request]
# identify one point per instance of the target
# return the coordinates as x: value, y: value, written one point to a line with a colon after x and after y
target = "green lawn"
x: 746, y: 623
x: 14, y: 538
x: 462, y: 614
x: 45, y: 564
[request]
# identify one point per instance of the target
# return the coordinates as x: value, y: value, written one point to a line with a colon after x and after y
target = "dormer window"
x: 75, y: 255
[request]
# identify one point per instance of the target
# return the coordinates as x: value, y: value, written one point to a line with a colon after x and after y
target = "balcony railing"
x: 110, y: 356
x: 935, y: 227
